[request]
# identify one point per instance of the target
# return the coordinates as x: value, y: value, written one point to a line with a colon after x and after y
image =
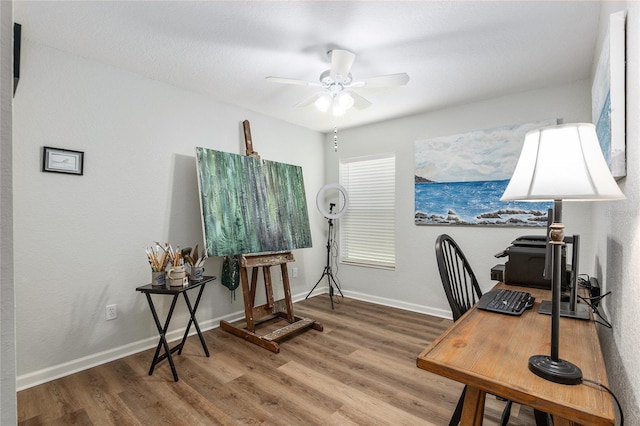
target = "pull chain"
x: 335, y: 139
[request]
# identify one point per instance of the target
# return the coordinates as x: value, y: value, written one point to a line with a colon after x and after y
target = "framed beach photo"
x: 608, y: 96
x: 60, y: 160
x: 460, y: 178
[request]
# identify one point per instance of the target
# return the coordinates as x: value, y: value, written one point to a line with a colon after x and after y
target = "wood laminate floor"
x: 361, y: 370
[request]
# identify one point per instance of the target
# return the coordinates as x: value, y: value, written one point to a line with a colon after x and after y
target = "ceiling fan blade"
x: 358, y: 101
x: 282, y: 80
x: 399, y: 79
x: 308, y: 101
x: 341, y: 62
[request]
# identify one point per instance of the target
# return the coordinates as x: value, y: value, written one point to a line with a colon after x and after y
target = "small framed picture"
x: 62, y: 161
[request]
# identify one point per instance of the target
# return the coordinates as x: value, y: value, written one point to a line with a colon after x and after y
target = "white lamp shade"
x: 562, y: 162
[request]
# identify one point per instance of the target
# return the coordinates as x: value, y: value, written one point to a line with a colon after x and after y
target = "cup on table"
x: 177, y: 276
x: 158, y: 278
x: 197, y: 273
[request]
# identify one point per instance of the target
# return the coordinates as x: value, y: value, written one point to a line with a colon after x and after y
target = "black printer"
x: 527, y: 263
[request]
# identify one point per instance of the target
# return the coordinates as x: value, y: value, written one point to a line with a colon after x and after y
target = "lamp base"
x: 581, y: 311
x: 559, y: 371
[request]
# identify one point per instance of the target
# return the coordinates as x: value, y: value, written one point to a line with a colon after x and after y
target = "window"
x: 367, y: 230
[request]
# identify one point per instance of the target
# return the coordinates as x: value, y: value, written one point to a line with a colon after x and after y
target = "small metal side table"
x: 148, y: 290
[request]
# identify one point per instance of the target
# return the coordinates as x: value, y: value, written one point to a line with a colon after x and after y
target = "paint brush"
x: 194, y: 252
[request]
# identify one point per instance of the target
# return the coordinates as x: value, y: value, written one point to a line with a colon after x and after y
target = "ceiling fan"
x: 337, y: 84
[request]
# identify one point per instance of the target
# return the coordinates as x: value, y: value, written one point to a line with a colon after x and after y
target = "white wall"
x: 7, y: 307
x: 415, y: 283
x: 618, y: 245
x: 80, y: 240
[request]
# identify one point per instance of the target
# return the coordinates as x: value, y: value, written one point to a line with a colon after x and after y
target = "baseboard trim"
x: 440, y: 313
x: 29, y: 380
x: 45, y: 375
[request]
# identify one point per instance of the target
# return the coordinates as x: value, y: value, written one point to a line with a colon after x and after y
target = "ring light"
x: 320, y: 200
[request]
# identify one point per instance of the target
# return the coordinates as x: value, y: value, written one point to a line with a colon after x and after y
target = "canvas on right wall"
x: 608, y: 96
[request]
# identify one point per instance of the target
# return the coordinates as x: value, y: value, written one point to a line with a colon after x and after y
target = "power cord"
x: 589, y: 301
x: 593, y: 301
x: 612, y: 395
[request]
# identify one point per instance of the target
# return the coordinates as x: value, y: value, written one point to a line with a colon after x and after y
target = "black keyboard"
x: 510, y: 302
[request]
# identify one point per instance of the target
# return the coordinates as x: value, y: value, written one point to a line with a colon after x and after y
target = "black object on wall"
x: 17, y: 33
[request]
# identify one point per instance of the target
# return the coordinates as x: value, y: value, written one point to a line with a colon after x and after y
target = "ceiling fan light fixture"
x: 324, y: 102
x: 337, y: 110
x: 337, y: 85
x: 345, y: 100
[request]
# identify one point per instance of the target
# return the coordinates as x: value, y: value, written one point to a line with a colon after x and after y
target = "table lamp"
x: 559, y: 163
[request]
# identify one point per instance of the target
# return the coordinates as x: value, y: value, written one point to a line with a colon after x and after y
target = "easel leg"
x: 272, y: 310
x: 254, y: 283
x: 287, y: 291
x: 250, y: 336
x: 268, y: 288
x: 248, y: 299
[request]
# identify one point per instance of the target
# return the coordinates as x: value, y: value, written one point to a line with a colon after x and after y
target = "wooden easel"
x: 248, y: 142
x: 272, y: 309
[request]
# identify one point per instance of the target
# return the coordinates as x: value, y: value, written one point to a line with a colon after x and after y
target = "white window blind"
x: 367, y: 230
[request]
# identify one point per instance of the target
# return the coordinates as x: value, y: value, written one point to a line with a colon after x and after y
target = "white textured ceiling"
x: 454, y: 51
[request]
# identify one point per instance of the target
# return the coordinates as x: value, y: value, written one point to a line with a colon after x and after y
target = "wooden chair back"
x: 459, y: 282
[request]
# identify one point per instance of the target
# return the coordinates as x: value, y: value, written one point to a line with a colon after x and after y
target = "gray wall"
x: 415, y: 283
x: 79, y: 240
x: 7, y: 306
x: 618, y: 241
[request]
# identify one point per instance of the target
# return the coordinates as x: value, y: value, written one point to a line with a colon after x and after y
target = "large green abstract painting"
x: 250, y: 205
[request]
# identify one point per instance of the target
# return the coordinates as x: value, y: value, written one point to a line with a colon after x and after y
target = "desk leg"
x: 473, y: 409
x: 192, y: 312
x: 558, y: 421
x: 163, y: 340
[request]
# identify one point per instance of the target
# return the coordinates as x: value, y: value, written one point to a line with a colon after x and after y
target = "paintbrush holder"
x: 196, y: 274
x: 177, y: 276
x: 158, y: 278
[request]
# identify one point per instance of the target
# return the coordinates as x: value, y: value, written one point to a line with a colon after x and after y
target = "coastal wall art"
x: 608, y: 96
x: 250, y: 205
x: 459, y: 179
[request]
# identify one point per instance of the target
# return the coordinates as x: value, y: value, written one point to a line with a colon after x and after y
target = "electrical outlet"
x: 294, y: 272
x: 111, y: 312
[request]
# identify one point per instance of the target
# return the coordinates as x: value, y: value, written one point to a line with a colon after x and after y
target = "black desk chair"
x: 462, y: 290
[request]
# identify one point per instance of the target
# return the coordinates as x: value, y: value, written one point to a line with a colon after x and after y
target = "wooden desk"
x: 489, y: 352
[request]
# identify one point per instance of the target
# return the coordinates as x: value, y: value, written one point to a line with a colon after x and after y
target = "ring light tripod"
x: 330, y: 215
